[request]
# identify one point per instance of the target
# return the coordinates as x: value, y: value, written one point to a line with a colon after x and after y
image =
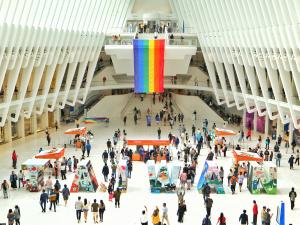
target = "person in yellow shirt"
x: 155, y: 217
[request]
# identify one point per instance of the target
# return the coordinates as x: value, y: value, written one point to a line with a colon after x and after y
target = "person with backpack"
x: 57, y: 187
x: 244, y: 218
x: 53, y: 200
x: 292, y: 196
x: 44, y: 200
x: 206, y: 220
x: 65, y: 193
x: 10, y: 217
x: 278, y: 158
x: 155, y: 217
x: 221, y: 219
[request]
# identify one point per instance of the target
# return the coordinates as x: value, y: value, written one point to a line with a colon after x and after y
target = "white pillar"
x: 266, y: 125
x: 57, y: 116
x: 44, y: 120
x: 34, y: 123
x: 21, y: 126
x: 255, y: 122
x: 291, y: 130
x: 279, y: 127
x: 7, y: 131
x: 244, y: 118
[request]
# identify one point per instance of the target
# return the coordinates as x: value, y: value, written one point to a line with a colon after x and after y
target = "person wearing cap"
x: 244, y: 218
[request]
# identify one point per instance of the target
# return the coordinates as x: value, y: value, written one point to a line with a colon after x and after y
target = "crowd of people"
x: 188, y: 143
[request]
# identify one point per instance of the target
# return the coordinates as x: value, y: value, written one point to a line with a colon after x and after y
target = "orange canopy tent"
x: 246, y: 156
x: 79, y: 130
x: 136, y: 157
x: 224, y: 132
x: 55, y: 153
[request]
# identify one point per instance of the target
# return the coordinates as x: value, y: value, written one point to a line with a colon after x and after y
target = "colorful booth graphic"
x: 90, y: 120
x: 163, y: 177
x: 122, y: 175
x: 54, y: 153
x: 85, y: 178
x: 224, y: 132
x: 210, y: 176
x: 137, y: 156
x: 280, y: 216
x: 34, y: 173
x: 74, y: 131
x: 262, y: 178
x: 240, y: 155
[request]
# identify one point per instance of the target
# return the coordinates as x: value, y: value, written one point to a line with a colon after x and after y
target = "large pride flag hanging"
x: 149, y: 58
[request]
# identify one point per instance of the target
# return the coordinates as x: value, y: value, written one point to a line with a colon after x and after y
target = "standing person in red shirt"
x: 249, y: 134
x: 14, y: 158
x: 255, y: 213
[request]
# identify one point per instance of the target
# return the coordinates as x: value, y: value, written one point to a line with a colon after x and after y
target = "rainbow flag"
x: 88, y: 120
x: 149, y: 58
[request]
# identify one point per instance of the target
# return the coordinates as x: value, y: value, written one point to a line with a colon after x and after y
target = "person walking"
x: 88, y: 148
x: 206, y: 191
x: 57, y: 188
x: 268, y: 217
x: 21, y: 178
x: 244, y: 218
x: 94, y: 210
x: 292, y: 196
x: 278, y: 158
x: 159, y: 133
x: 65, y: 193
x: 291, y: 162
x: 101, y: 210
x: 297, y: 157
x: 5, y: 188
x: 144, y: 217
x: 206, y: 220
x: 17, y: 214
x: 241, y: 180
x: 255, y: 213
x: 208, y: 205
x: 14, y: 158
x: 78, y: 208
x: 117, y: 195
x: 124, y: 120
x: 155, y: 217
x: 85, y: 209
x: 53, y: 200
x: 181, y: 210
x: 233, y: 182
x: 13, y: 180
x: 165, y: 214
x: 263, y: 215
x: 43, y: 200
x: 221, y: 219
x: 105, y: 172
x: 10, y: 217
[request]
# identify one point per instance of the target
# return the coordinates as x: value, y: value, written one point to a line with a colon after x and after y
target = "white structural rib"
x: 43, y: 42
x: 255, y: 46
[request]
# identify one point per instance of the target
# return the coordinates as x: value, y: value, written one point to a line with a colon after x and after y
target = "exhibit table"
x: 34, y: 173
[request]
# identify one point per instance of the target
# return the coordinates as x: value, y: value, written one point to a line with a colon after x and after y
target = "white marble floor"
x: 138, y: 193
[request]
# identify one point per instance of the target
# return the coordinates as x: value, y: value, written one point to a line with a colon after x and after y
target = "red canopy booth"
x: 136, y: 156
x: 77, y: 131
x: 224, y: 132
x: 54, y: 153
x: 245, y: 156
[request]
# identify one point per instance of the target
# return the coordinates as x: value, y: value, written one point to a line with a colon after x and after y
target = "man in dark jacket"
x: 43, y: 200
x: 244, y: 218
x: 105, y: 156
x: 208, y: 205
x: 105, y: 172
x: 291, y: 162
x: 117, y: 195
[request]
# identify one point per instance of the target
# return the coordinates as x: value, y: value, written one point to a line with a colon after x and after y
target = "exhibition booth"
x: 53, y: 153
x: 34, y: 173
x: 163, y: 177
x: 262, y: 178
x: 77, y: 132
x: 85, y: 179
x: 210, y: 175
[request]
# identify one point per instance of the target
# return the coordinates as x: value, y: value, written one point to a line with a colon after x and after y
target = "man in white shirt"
x: 165, y: 214
x: 144, y: 217
x: 78, y: 208
x: 49, y: 185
